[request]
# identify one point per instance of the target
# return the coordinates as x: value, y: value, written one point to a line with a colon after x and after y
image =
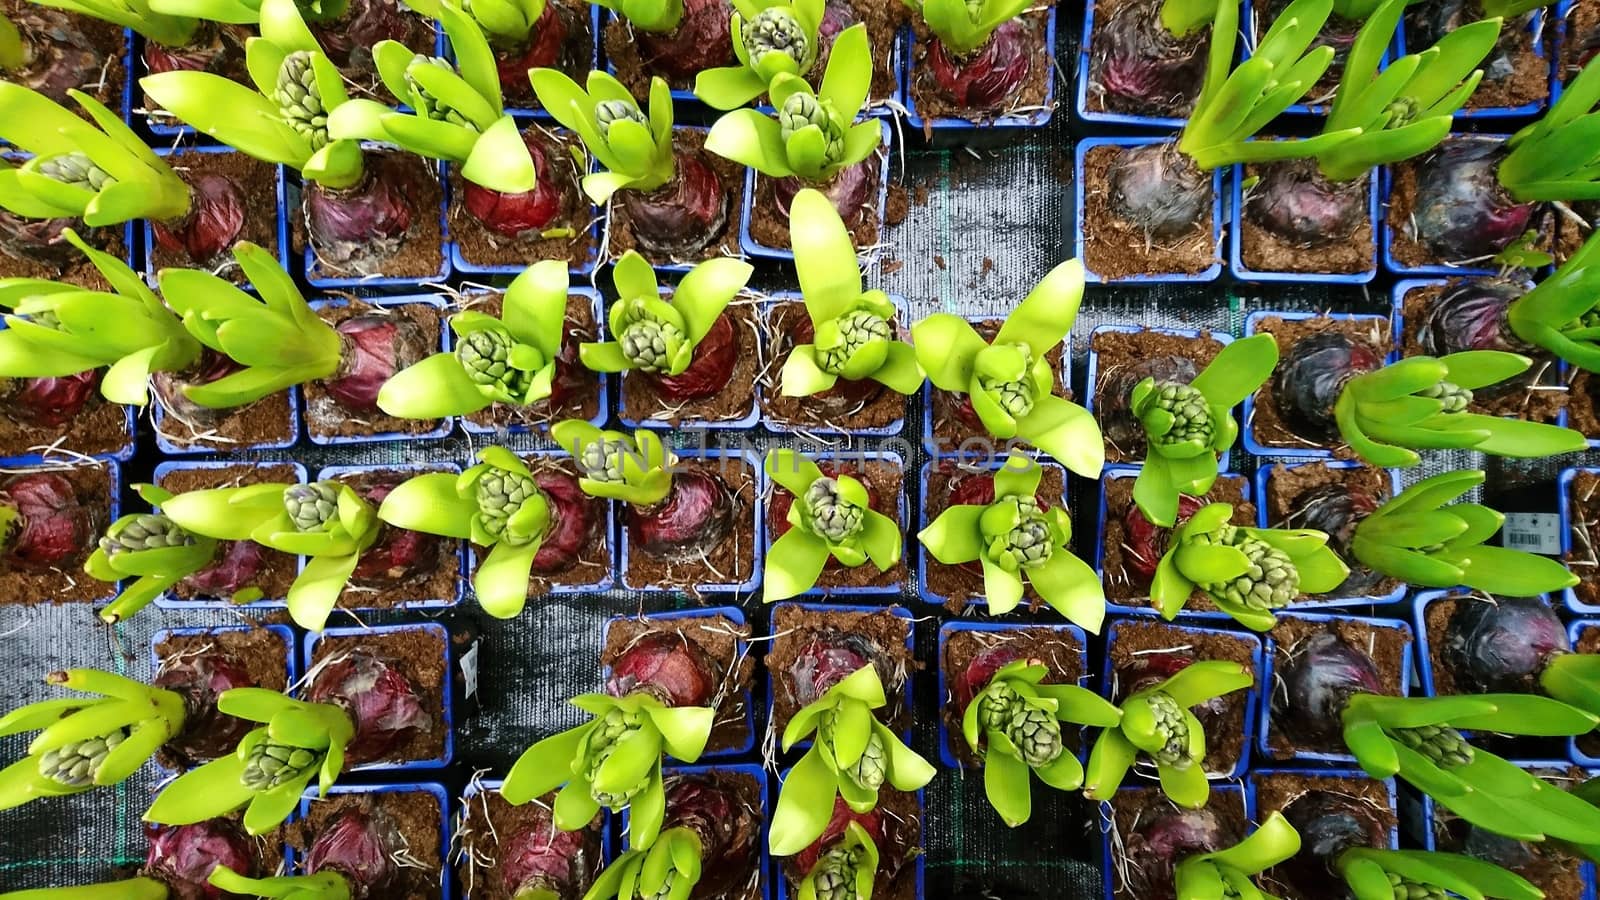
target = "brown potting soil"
x: 1529, y: 81
x: 932, y: 103
x: 80, y: 271
x: 1118, y: 349
x: 1264, y: 250
x: 1403, y: 244
x: 577, y: 56
x: 582, y: 402
x: 1386, y: 646
x: 794, y: 626
x: 949, y: 431
x: 1095, y: 96
x: 828, y: 410
x: 640, y: 402
x: 99, y: 428
x: 488, y: 821
x: 1115, y: 248
x: 421, y: 251
x: 1436, y: 619
x: 258, y: 184
x: 481, y: 246
x: 1540, y: 396
x: 1226, y: 742
x: 1582, y: 414
x: 1134, y: 810
x: 417, y: 654
x: 731, y: 174
x: 718, y: 637
x: 884, y: 481
x: 1058, y: 650
x: 900, y: 810
x: 436, y: 583
x: 1588, y: 642
x: 262, y: 655
x: 326, y: 417
x: 66, y: 583
x: 1270, y: 429
x: 731, y: 561
x: 595, y: 560
x: 1288, y: 486
x: 1122, y: 584
x: 1277, y: 791
x: 1584, y: 517
x: 1583, y: 25
x: 960, y: 584
x: 267, y: 420
x: 1557, y: 873
x: 770, y: 227
x: 415, y: 817
x: 277, y: 568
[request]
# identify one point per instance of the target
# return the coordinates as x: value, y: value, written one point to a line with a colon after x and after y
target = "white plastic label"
x: 1532, y: 532
x: 469, y: 669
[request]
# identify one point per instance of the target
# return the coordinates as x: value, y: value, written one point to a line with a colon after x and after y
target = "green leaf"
x: 315, y: 593
x: 1005, y: 783
x: 684, y: 729
x: 501, y: 581
x: 805, y: 804
x: 830, y: 279
x: 793, y: 564
x: 1186, y: 787
x: 431, y: 389
x: 953, y: 536
x: 1072, y: 588
x: 705, y: 292
x: 1109, y: 761
x: 544, y: 766
x: 1067, y: 432
x: 728, y: 87
x: 906, y: 770
x: 212, y: 790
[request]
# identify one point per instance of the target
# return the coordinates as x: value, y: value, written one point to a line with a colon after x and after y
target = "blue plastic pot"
x: 171, y: 155
x: 679, y: 423
x: 1350, y: 774
x: 1089, y: 389
x: 935, y: 446
x: 1113, y: 606
x: 1249, y: 432
x: 445, y: 423
x: 1536, y: 26
x: 1035, y: 119
x: 742, y: 648
x: 948, y: 741
x: 284, y: 633
x: 764, y: 865
x: 459, y: 261
x: 1264, y: 479
x: 171, y: 448
x: 919, y: 861
x: 767, y: 308
x: 924, y: 519
x: 749, y: 585
x: 1264, y: 739
x: 598, y: 310
x: 1236, y: 246
x: 860, y: 456
x: 753, y: 247
x: 897, y: 611
x: 1575, y: 633
x: 1566, y: 509
x: 1387, y: 238
x: 537, y: 112
x: 607, y: 529
x: 446, y: 711
x: 405, y: 787
x: 478, y: 786
x: 1251, y: 699
x: 169, y: 600
x: 1079, y: 242
x: 330, y: 473
x: 1231, y: 793
x: 129, y: 419
x: 1081, y: 99
x: 1419, y: 619
x: 289, y: 204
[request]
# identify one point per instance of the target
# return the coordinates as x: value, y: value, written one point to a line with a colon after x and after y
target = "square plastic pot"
x: 949, y: 741
x: 283, y: 632
x: 1081, y: 95
x: 167, y: 599
x: 989, y: 446
x: 1079, y: 241
x: 169, y: 153
x: 446, y: 876
x: 1253, y: 694
x: 1248, y: 433
x: 448, y: 546
x: 896, y: 611
x: 1108, y: 820
x: 130, y: 416
x: 1220, y: 337
x: 1264, y: 478
x: 1303, y: 757
x: 445, y: 422
x: 1243, y: 272
x: 1035, y: 119
x: 870, y: 592
x: 608, y: 528
x: 919, y: 861
x: 478, y: 786
x: 169, y: 448
x: 1387, y: 235
x: 680, y: 424
x: 743, y: 588
x: 764, y: 867
x: 741, y: 648
x: 1565, y: 509
x: 1575, y: 632
x: 1494, y: 114
x: 924, y: 520
x: 1112, y: 606
x: 903, y: 323
x: 598, y: 310
x: 753, y: 247
x: 446, y: 708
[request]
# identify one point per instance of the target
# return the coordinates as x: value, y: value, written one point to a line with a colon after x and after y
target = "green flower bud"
x: 1029, y: 543
x: 997, y: 705
x: 1271, y: 581
x: 858, y: 329
x: 600, y: 743
x: 602, y: 460
x: 299, y: 101
x: 500, y: 493
x: 870, y: 770
x: 77, y: 169
x: 486, y: 357
x: 832, y: 517
x: 311, y: 506
x: 803, y: 109
x: 1036, y: 734
x: 74, y: 765
x: 269, y: 765
x: 1191, y: 416
x: 151, y: 531
x: 1405, y: 889
x: 650, y: 345
x: 774, y: 30
x: 428, y: 105
x: 1454, y: 397
x: 1171, y: 723
x: 835, y: 874
x: 1440, y: 744
x: 1015, y: 397
x: 608, y: 111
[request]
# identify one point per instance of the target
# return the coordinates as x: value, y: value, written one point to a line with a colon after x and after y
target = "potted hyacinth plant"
x: 670, y: 39
x: 1149, y: 207
x: 979, y: 61
x: 357, y: 216
x: 86, y: 743
x: 812, y: 140
x: 771, y: 38
x: 1517, y: 74
x: 681, y: 348
x: 838, y: 348
x: 829, y: 518
x: 1146, y: 58
x: 673, y: 201
x: 1014, y: 537
x: 1504, y: 644
x: 1230, y: 870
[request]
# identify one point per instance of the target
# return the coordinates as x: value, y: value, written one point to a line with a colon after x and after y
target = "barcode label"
x: 1532, y: 532
x: 469, y: 670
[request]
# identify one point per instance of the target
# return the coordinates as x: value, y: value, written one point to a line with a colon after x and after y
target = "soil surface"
x: 1270, y: 428
x: 1223, y: 718
x: 100, y: 428
x: 731, y: 561
x: 420, y: 656
x: 1585, y: 522
x: 421, y: 250
x: 769, y: 225
x: 1387, y: 646
x: 1403, y: 244
x: 932, y: 102
x: 257, y: 182
x: 1115, y: 248
x: 1583, y: 412
x: 721, y: 639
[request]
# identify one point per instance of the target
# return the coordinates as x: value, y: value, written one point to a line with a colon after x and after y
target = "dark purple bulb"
x: 1502, y: 645
x: 1322, y: 674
